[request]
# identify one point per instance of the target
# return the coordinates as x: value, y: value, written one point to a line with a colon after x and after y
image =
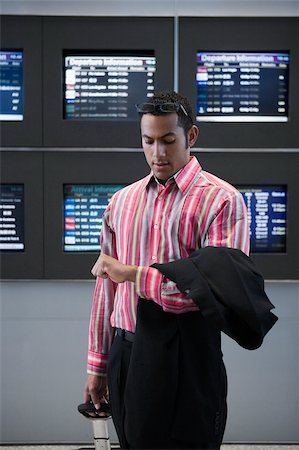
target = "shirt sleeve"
x: 229, y: 227
x: 152, y: 285
x: 100, y: 330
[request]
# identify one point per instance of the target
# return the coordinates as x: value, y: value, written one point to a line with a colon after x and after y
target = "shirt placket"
x: 156, y: 224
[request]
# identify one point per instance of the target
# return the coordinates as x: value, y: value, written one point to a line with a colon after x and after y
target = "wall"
x: 44, y: 338
x: 44, y: 342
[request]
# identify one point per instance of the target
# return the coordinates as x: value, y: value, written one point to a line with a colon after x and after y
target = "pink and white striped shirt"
x: 147, y: 222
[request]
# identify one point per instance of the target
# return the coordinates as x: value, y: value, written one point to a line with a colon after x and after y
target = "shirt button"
x: 156, y: 226
x: 153, y: 257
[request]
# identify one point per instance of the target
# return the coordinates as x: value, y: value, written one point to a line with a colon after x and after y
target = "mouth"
x: 160, y: 164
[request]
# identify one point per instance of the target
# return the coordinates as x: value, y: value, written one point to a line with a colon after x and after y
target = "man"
x: 176, y: 209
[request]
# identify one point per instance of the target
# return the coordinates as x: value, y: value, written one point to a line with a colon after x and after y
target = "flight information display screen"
x: 12, y: 235
x: 107, y: 87
x: 84, y: 205
x: 11, y: 85
x: 242, y: 87
x: 267, y: 213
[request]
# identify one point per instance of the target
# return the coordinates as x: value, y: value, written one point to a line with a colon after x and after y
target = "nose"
x: 159, y: 150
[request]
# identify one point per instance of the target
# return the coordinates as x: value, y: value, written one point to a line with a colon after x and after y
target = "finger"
x: 103, y: 413
x: 94, y: 270
x: 97, y: 403
x: 97, y: 266
x: 95, y: 397
x: 87, y: 397
x: 99, y: 273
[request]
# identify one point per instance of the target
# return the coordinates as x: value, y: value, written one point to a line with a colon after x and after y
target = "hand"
x: 96, y: 390
x: 106, y: 266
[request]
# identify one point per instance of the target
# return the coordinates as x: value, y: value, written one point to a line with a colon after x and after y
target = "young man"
x: 163, y: 217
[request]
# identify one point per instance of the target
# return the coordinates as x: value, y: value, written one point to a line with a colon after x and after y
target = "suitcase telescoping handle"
x: 88, y: 408
x: 99, y: 424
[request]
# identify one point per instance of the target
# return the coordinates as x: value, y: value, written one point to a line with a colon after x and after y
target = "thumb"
x: 91, y: 392
x: 95, y: 398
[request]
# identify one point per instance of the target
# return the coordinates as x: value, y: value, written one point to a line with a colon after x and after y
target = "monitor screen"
x: 84, y: 205
x: 107, y: 85
x: 12, y: 235
x: 267, y: 213
x: 242, y: 86
x: 11, y: 85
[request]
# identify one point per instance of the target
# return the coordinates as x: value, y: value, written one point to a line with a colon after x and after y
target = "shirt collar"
x: 182, y: 178
x: 186, y: 175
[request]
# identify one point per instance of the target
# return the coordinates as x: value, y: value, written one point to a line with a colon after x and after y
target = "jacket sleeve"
x: 228, y: 290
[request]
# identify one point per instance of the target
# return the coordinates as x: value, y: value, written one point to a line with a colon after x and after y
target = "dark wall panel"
x: 80, y: 168
x: 45, y: 173
x: 99, y: 33
x: 125, y: 167
x: 26, y: 168
x: 25, y: 33
x: 265, y: 168
x: 241, y: 34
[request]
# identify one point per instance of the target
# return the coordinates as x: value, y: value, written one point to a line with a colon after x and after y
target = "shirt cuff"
x: 97, y: 364
x: 148, y: 283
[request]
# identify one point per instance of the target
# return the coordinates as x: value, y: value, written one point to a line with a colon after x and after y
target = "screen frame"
x: 96, y: 34
x: 25, y: 34
x: 80, y: 167
x: 26, y: 168
x: 265, y: 168
x: 254, y: 34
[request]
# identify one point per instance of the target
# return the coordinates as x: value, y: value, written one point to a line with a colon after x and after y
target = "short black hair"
x: 184, y: 121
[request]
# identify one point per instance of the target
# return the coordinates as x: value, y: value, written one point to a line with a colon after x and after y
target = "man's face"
x: 164, y: 144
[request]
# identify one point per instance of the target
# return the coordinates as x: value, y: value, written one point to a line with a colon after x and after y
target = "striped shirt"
x: 147, y: 222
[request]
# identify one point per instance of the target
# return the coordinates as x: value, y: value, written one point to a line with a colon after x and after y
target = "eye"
x: 148, y: 141
x: 169, y: 141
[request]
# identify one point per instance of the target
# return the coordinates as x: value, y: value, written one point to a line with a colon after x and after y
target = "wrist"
x: 131, y: 273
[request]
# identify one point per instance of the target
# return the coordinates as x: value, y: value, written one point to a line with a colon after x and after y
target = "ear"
x: 192, y: 135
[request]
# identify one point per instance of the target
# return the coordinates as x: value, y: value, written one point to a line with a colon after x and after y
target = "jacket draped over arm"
x: 229, y: 291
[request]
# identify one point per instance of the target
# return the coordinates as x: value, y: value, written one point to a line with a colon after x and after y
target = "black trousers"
x: 118, y: 366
